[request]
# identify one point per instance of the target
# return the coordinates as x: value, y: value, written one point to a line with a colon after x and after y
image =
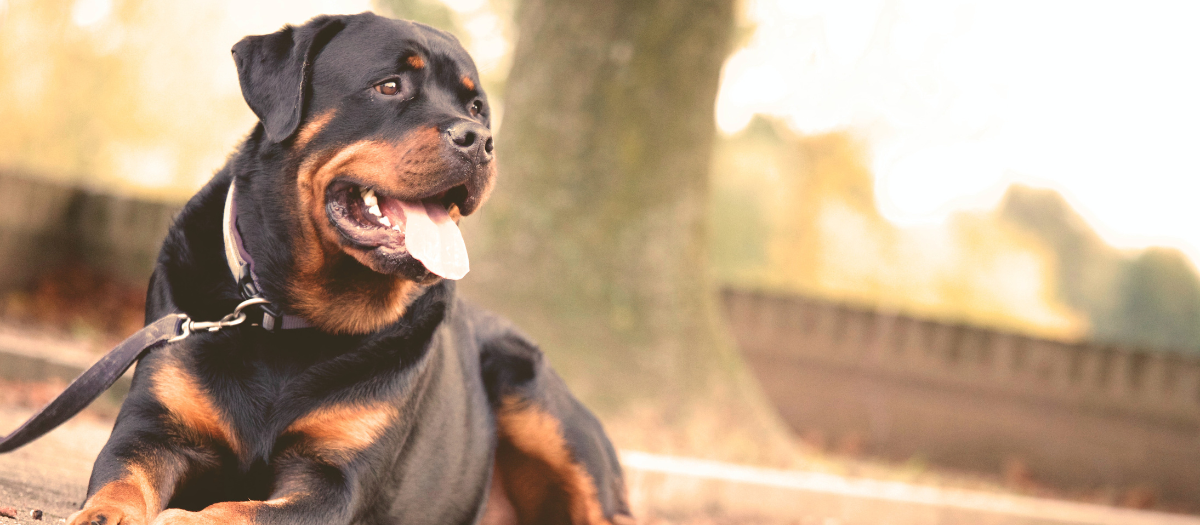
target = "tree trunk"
x: 595, y: 240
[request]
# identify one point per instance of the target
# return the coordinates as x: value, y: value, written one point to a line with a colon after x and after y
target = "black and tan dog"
x: 364, y: 392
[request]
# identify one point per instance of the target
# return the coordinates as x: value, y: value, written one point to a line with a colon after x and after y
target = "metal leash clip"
x: 233, y: 319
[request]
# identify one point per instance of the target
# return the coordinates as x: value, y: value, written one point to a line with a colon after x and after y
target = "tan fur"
x: 131, y: 500
x: 538, y: 471
x: 191, y: 407
x: 311, y: 129
x: 329, y: 291
x: 224, y: 513
x: 467, y: 83
x: 416, y: 62
x: 339, y: 432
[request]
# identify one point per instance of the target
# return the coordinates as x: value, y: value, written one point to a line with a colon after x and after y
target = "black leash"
x: 95, y: 380
x: 87, y: 387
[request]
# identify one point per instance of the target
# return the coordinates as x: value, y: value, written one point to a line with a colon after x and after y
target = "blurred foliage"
x: 798, y: 213
x: 1148, y: 298
x: 485, y: 28
x: 73, y: 297
x: 1158, y: 303
x: 143, y: 99
x: 429, y: 12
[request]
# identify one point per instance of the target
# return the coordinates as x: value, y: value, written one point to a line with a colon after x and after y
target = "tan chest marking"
x: 191, y: 407
x: 339, y: 432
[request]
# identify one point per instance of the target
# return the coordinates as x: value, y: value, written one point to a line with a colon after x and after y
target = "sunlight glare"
x: 88, y: 13
x: 957, y: 99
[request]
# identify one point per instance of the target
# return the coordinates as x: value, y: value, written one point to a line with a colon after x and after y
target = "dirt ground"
x: 51, y: 473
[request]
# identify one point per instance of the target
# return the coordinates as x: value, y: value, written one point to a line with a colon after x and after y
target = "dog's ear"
x: 274, y: 71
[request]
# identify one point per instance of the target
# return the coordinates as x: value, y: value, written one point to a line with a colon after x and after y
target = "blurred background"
x: 945, y: 244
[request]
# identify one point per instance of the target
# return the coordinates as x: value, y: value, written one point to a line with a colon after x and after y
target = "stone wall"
x: 43, y: 224
x: 1083, y: 415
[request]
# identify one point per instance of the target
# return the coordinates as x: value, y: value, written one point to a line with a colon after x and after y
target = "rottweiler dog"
x: 359, y: 389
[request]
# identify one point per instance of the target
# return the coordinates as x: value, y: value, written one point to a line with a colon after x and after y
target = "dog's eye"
x: 476, y: 108
x: 388, y: 88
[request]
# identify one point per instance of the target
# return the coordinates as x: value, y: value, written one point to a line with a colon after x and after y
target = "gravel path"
x: 51, y: 473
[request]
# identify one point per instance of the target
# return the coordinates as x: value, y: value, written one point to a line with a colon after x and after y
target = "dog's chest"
x: 257, y: 398
x: 245, y: 396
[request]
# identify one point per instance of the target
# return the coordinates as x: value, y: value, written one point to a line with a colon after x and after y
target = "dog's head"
x: 378, y: 132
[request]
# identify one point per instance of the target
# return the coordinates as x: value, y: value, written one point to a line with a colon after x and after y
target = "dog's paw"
x: 227, y: 513
x: 102, y: 515
x: 182, y: 517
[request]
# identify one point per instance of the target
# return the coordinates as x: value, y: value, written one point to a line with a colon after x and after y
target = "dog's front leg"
x: 169, y: 429
x: 133, y: 486
x: 306, y: 491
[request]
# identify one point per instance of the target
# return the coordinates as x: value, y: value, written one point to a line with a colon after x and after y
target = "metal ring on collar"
x: 233, y: 319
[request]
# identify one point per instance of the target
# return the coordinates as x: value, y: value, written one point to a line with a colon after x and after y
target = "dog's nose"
x: 471, y: 138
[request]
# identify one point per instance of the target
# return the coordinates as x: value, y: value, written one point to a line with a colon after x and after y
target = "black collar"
x: 241, y: 265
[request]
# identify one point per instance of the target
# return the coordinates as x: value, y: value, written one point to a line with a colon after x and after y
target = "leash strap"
x: 93, y: 382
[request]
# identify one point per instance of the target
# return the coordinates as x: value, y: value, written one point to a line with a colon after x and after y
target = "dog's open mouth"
x: 398, y: 229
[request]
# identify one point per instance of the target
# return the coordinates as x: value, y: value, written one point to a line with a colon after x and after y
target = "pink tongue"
x: 432, y: 238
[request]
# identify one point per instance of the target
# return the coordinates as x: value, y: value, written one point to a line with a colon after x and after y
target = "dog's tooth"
x: 385, y: 221
x: 396, y: 227
x: 374, y: 209
x: 368, y: 197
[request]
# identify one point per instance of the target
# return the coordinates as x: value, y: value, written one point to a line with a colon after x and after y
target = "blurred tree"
x: 429, y: 12
x: 797, y: 214
x: 1088, y: 268
x: 127, y: 131
x: 595, y: 241
x: 750, y: 180
x: 1151, y: 299
x: 1158, y: 303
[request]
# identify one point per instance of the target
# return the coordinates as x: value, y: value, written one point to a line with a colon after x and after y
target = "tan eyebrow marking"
x: 416, y: 62
x: 468, y: 83
x: 312, y: 128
